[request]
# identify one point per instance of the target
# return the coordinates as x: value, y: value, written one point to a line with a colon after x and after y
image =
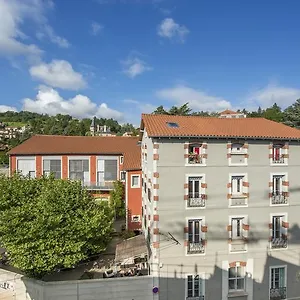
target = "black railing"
x: 279, y: 243
x: 99, y: 185
x: 278, y: 293
x: 279, y: 198
x: 195, y: 158
x: 278, y: 159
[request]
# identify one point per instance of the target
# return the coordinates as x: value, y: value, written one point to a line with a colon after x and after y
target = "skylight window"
x: 172, y: 125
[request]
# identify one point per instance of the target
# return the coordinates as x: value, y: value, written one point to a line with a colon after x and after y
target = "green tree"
x: 117, y: 199
x: 273, y: 113
x: 160, y: 111
x: 291, y: 115
x: 47, y: 224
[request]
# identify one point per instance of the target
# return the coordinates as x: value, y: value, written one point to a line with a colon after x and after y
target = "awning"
x: 131, y: 248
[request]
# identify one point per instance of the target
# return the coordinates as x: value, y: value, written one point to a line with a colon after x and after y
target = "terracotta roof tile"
x: 228, y: 112
x: 195, y: 126
x: 83, y: 145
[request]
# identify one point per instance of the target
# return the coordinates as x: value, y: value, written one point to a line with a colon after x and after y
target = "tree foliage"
x: 47, y: 224
x: 117, y: 199
x: 292, y: 115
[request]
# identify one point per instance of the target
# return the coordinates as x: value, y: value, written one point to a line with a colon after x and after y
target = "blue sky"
x: 119, y: 58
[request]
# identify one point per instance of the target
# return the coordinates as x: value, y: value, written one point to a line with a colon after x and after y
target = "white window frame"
x: 201, y: 285
x: 282, y: 230
x: 131, y: 181
x: 26, y: 158
x: 241, y: 195
x: 53, y: 158
x: 122, y: 172
x: 284, y: 176
x: 106, y: 158
x: 202, y: 151
x: 270, y: 277
x: 80, y: 158
x: 132, y: 218
x: 243, y: 151
x: 201, y: 190
x: 282, y: 151
x: 232, y: 291
x: 202, y: 235
x: 244, y: 233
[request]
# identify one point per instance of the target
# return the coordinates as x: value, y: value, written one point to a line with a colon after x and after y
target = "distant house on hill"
x: 231, y: 114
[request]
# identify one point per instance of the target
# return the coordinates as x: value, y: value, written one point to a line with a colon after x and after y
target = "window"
x: 172, y: 125
x: 52, y: 166
x: 237, y: 228
x: 79, y: 169
x: 149, y: 195
x: 135, y: 218
x: 195, y: 197
x: 277, y: 156
x: 237, y: 185
x: 107, y: 170
x: 135, y: 181
x: 195, y: 287
x: 278, y: 232
x: 195, y: 154
x: 277, y: 283
x: 26, y: 167
x: 236, y: 278
x: 121, y: 160
x: 237, y: 148
x: 122, y: 175
x: 195, y: 240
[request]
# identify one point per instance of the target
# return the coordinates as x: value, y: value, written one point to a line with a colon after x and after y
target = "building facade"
x: 221, y: 207
x: 97, y: 161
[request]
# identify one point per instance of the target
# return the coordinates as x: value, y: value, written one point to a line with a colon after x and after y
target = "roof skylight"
x: 172, y: 125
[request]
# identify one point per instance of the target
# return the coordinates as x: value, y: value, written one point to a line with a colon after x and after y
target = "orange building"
x: 96, y: 161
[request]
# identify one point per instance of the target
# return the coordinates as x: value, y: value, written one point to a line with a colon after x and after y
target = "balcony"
x: 196, y: 248
x: 197, y: 200
x: 277, y: 243
x: 196, y: 298
x: 97, y: 186
x: 195, y: 158
x: 278, y: 293
x: 278, y: 160
x: 279, y: 198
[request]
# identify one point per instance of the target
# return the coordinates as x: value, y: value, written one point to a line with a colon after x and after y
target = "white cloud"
x: 272, y: 93
x: 5, y: 108
x: 48, y: 32
x: 133, y: 67
x: 58, y: 73
x: 168, y: 28
x: 14, y: 14
x: 197, y: 99
x: 96, y: 28
x: 142, y: 106
x: 48, y: 101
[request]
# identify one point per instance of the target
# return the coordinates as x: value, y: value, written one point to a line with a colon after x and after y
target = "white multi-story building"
x: 221, y: 207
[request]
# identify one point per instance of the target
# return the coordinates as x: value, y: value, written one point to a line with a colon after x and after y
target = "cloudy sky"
x: 119, y: 58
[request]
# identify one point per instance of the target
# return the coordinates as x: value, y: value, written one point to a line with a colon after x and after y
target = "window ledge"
x: 238, y: 197
x: 195, y: 165
x: 237, y: 294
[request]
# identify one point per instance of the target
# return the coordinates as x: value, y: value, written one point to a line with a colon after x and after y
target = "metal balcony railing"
x: 197, y: 200
x: 196, y: 298
x: 278, y: 160
x: 194, y: 248
x: 277, y: 243
x: 195, y: 158
x: 278, y: 293
x: 279, y: 198
x: 107, y: 185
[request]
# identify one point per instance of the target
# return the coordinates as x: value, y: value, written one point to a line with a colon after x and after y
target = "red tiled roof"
x: 195, y: 126
x: 228, y: 112
x: 83, y: 145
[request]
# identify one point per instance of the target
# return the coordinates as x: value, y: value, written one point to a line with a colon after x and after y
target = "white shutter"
x: 26, y: 165
x: 100, y: 170
x: 234, y: 186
